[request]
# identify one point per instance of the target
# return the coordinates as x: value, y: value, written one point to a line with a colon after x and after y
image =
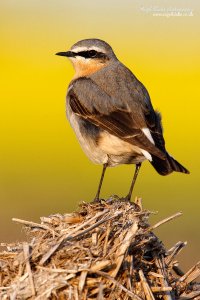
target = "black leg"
x: 137, y: 168
x: 100, y: 183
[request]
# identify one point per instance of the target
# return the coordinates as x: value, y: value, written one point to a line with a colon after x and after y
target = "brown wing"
x: 90, y: 102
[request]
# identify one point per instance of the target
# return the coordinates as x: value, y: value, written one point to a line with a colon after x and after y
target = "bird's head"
x: 89, y: 56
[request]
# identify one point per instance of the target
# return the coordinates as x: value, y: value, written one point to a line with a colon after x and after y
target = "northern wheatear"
x: 111, y: 112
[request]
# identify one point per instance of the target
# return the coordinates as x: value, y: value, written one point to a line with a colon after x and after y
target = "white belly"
x: 119, y: 151
x: 109, y: 148
x: 113, y: 145
x: 89, y: 146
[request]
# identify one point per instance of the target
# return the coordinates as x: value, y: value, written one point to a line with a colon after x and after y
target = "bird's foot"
x: 97, y: 200
x: 127, y: 198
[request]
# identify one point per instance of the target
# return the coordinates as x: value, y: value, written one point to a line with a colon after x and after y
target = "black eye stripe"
x: 85, y: 54
x: 91, y: 54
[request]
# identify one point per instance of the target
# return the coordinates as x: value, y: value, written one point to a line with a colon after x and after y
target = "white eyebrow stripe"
x: 148, y: 135
x: 79, y: 49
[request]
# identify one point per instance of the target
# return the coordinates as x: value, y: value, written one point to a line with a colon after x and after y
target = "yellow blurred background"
x: 42, y: 167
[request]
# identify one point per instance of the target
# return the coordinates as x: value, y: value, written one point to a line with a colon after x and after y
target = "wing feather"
x: 90, y: 102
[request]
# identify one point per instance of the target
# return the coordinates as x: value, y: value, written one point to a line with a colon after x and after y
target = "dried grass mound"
x: 105, y: 250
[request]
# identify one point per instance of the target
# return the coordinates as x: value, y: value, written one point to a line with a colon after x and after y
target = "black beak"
x: 67, y: 53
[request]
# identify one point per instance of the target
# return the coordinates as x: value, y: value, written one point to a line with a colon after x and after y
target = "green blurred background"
x: 42, y: 167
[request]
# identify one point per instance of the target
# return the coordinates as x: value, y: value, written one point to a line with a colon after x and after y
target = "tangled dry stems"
x: 106, y: 250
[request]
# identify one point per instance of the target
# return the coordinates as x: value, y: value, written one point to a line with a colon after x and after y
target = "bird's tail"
x: 167, y: 166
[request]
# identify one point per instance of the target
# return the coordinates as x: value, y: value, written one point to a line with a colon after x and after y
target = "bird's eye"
x: 92, y: 53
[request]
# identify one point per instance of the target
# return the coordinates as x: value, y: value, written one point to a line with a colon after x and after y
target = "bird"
x: 111, y: 113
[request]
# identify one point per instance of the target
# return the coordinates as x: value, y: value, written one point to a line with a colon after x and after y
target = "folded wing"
x: 90, y: 102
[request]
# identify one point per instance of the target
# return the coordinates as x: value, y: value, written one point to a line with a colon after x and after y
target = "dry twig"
x: 104, y: 251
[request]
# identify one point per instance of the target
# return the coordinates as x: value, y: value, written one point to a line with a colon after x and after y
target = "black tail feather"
x: 167, y: 166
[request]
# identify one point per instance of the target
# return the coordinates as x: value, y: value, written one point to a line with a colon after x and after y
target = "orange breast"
x: 86, y: 68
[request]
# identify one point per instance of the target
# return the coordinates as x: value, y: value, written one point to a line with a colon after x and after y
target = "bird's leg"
x: 96, y: 199
x: 137, y: 168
